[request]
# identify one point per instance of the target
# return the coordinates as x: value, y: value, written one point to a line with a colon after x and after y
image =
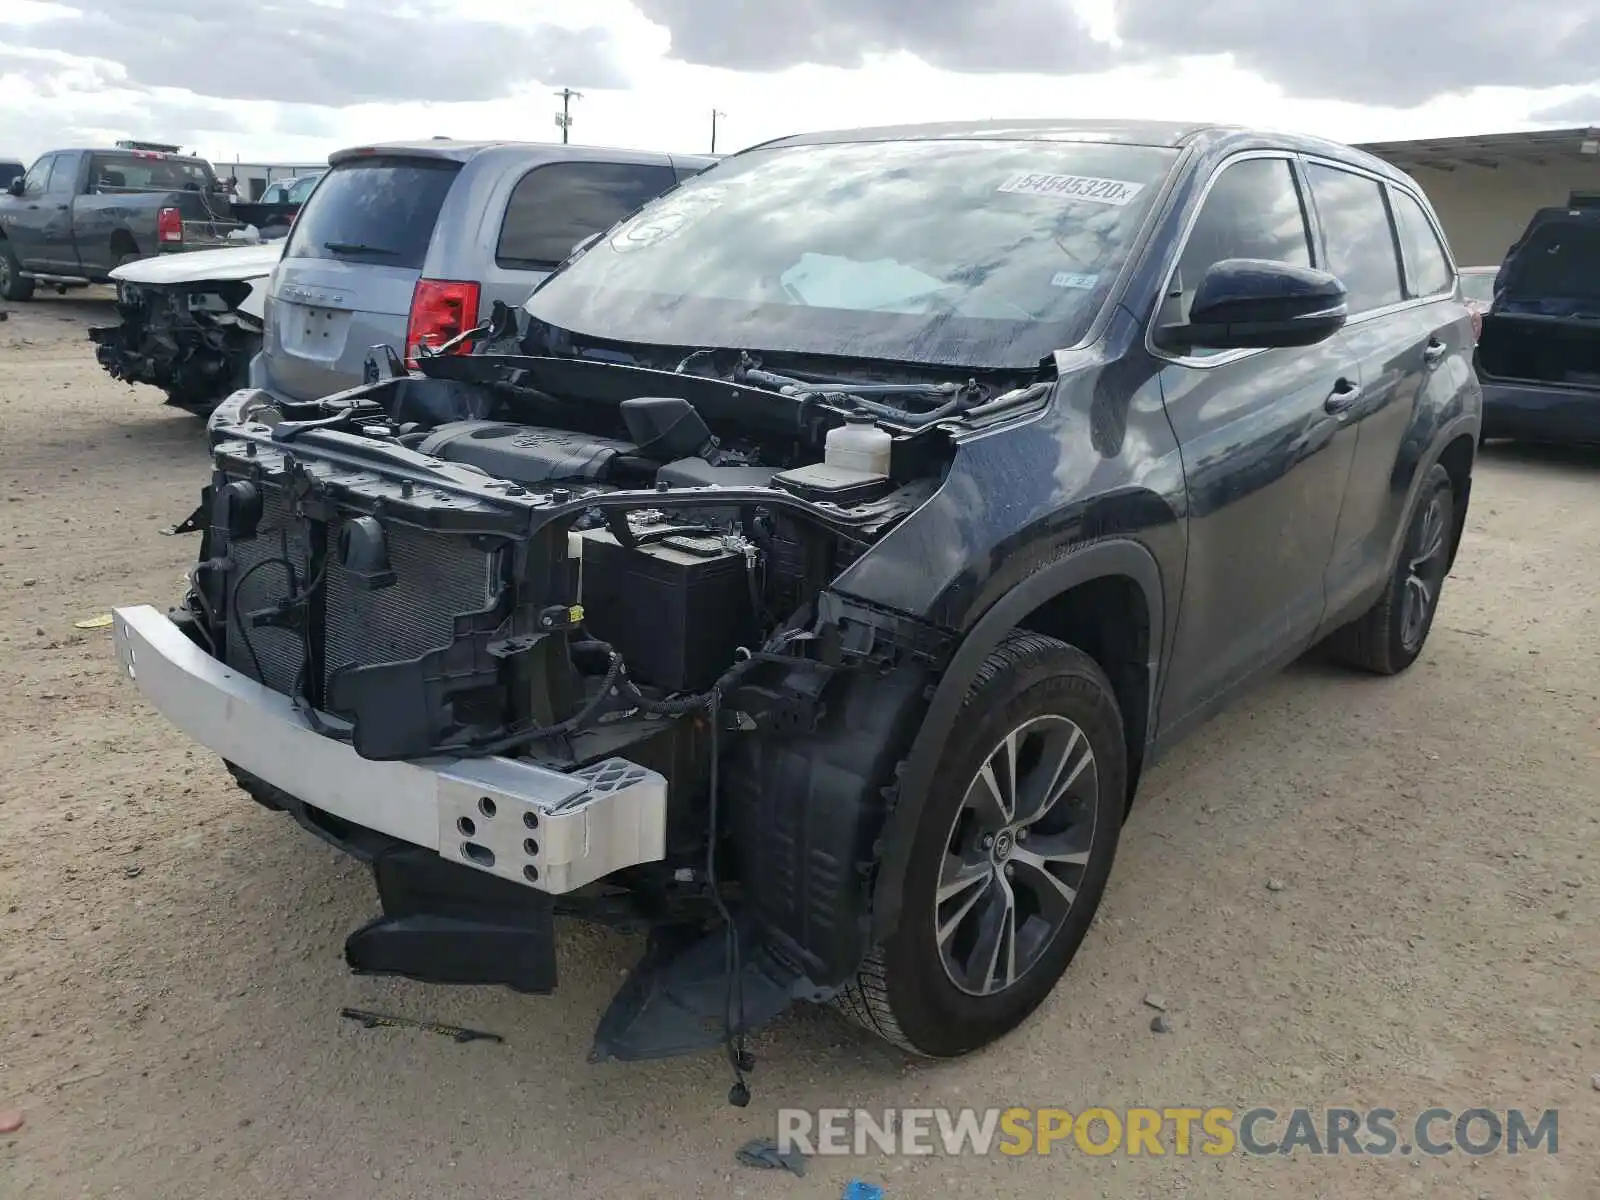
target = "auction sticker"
x: 1073, y: 279
x: 1072, y: 187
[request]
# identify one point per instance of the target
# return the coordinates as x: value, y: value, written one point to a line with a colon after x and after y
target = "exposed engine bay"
x: 189, y: 324
x: 596, y: 568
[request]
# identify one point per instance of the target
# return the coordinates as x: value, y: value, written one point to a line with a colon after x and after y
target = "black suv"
x: 809, y: 572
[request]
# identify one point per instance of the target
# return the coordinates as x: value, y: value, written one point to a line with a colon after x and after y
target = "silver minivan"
x: 408, y: 243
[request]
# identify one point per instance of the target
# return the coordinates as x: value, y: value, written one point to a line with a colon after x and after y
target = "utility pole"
x: 564, y: 117
x: 714, y: 115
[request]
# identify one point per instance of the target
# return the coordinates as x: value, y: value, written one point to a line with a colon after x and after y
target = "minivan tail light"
x: 169, y: 226
x: 440, y: 309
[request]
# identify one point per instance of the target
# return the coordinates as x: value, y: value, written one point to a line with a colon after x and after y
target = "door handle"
x: 1344, y: 395
x: 1433, y: 351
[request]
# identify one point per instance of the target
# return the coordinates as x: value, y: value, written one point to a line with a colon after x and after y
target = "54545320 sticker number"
x: 1072, y: 187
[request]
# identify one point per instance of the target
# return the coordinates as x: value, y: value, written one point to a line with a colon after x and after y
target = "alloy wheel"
x: 1424, y: 575
x: 1016, y: 855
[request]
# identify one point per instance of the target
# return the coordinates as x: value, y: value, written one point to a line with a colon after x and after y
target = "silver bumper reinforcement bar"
x: 546, y: 830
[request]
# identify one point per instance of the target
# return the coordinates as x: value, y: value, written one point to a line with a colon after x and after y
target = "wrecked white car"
x: 190, y: 323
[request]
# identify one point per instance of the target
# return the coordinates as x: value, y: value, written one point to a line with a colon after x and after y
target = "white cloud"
x: 51, y: 96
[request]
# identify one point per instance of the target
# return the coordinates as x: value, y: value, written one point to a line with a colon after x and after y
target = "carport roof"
x: 1490, y: 150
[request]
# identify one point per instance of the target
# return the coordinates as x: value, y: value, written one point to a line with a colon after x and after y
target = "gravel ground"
x: 1350, y: 891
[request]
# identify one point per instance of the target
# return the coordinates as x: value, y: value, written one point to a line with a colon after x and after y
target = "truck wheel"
x: 12, y: 284
x: 1011, y: 856
x: 1390, y: 635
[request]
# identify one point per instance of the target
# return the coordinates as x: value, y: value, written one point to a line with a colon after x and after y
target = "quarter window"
x: 1358, y: 235
x: 555, y: 207
x: 1427, y: 265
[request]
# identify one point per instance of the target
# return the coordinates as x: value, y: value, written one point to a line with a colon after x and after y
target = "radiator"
x: 437, y: 578
x: 280, y: 652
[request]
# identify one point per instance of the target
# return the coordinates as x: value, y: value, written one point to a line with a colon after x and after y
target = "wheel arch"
x: 122, y: 242
x: 1457, y: 458
x: 1453, y: 445
x: 1108, y: 592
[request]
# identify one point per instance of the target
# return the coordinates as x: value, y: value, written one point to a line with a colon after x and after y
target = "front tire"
x: 1390, y: 635
x: 12, y: 284
x: 1011, y: 856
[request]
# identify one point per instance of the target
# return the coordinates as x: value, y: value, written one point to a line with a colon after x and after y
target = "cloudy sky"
x: 290, y: 80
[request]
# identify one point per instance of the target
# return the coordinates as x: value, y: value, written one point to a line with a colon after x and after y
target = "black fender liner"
x: 1081, y: 564
x: 807, y: 810
x: 1460, y: 426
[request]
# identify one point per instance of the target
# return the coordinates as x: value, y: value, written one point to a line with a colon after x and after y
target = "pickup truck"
x: 275, y: 211
x: 76, y: 215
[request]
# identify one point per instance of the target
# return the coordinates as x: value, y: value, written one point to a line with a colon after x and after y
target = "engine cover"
x: 525, y: 454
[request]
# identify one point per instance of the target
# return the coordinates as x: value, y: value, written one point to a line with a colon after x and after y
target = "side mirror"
x: 15, y: 186
x: 1255, y: 304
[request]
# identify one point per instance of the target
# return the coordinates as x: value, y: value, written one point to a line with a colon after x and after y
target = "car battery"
x: 676, y: 608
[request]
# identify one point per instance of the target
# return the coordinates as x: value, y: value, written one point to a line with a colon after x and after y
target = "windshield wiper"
x: 954, y: 398
x: 358, y: 248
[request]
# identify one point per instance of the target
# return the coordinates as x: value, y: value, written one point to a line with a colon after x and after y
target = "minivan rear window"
x: 375, y: 210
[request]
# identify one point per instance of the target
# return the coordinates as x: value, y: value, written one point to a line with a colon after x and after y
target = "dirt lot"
x: 170, y: 971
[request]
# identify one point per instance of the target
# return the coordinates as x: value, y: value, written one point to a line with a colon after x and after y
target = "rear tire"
x: 991, y: 917
x: 12, y: 284
x: 1389, y: 637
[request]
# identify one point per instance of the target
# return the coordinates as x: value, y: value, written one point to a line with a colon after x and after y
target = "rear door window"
x: 1359, y: 237
x: 556, y: 206
x: 375, y: 210
x: 1428, y: 267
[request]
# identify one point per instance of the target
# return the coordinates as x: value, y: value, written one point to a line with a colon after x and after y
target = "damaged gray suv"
x: 810, y: 574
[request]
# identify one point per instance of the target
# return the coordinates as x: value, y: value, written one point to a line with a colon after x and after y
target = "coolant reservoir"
x: 858, y: 445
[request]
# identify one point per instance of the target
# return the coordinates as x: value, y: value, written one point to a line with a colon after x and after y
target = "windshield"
x: 961, y: 253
